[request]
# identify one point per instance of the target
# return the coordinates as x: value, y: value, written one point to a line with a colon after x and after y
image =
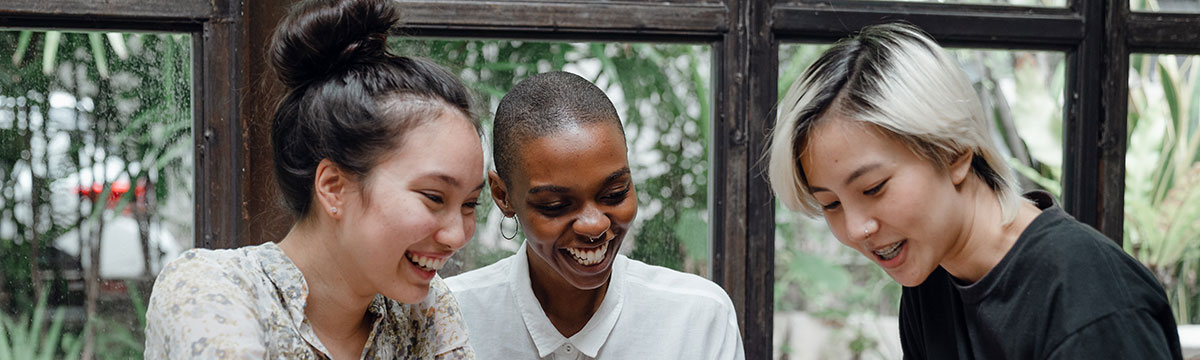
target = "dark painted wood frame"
x: 215, y: 27
x: 232, y: 209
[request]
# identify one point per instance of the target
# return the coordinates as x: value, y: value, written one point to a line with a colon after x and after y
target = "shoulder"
x: 496, y: 274
x: 206, y: 269
x: 1062, y: 249
x: 674, y: 286
x: 206, y: 302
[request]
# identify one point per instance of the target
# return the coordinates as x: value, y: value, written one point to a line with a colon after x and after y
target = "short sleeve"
x: 1128, y: 334
x: 731, y: 346
x: 450, y: 330
x: 198, y: 310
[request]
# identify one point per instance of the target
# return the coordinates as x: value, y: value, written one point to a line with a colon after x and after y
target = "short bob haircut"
x: 896, y: 80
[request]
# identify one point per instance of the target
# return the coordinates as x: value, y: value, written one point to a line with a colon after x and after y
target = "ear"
x: 500, y: 193
x: 961, y: 167
x: 329, y: 187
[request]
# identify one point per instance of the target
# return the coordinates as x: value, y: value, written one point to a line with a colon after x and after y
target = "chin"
x: 408, y: 294
x: 591, y: 284
x: 909, y: 280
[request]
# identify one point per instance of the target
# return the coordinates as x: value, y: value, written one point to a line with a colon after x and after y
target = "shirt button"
x: 569, y: 349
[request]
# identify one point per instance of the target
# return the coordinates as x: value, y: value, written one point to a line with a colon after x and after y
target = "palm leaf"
x: 22, y: 45
x: 98, y: 54
x: 50, y: 52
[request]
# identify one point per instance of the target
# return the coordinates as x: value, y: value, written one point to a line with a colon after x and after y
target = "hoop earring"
x: 516, y: 228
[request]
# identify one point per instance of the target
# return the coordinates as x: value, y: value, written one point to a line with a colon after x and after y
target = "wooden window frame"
x: 217, y: 133
x: 231, y: 120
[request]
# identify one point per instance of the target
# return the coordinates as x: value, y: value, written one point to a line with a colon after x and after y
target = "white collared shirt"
x: 649, y: 312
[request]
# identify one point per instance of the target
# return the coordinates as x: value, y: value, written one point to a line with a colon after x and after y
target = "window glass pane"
x: 830, y: 301
x: 96, y: 165
x: 1174, y: 6
x: 1042, y: 3
x: 1162, y: 175
x: 661, y: 93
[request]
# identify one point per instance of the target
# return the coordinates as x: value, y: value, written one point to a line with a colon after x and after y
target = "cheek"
x: 626, y: 212
x: 834, y: 221
x: 543, y: 231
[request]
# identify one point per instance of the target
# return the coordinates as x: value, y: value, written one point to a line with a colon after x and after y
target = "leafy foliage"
x: 662, y: 94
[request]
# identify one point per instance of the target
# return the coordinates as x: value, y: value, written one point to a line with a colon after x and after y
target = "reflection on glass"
x: 832, y: 301
x: 1043, y: 3
x: 660, y: 91
x: 96, y: 165
x: 1173, y: 6
x: 1162, y: 175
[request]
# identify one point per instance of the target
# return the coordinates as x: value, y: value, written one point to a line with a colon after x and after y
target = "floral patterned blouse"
x: 248, y: 303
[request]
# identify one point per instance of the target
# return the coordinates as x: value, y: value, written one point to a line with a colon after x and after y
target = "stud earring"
x: 333, y: 209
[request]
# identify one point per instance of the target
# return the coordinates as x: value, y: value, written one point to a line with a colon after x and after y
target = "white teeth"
x: 426, y: 263
x: 889, y: 252
x: 589, y: 256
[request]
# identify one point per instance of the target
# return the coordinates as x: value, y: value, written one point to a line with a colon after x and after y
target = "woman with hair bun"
x: 380, y: 160
x: 884, y: 137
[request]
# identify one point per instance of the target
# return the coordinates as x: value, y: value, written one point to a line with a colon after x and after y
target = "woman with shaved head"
x: 562, y: 172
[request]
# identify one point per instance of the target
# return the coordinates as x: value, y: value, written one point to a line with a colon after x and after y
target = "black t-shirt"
x: 1063, y: 291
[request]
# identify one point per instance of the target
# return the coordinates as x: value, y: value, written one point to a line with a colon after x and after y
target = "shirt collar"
x: 289, y: 281
x: 545, y: 336
x: 290, y: 286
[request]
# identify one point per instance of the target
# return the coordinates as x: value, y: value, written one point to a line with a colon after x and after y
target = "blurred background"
x: 98, y: 173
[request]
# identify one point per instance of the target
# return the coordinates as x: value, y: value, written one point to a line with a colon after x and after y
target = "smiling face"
x: 884, y: 201
x: 574, y: 197
x: 415, y: 208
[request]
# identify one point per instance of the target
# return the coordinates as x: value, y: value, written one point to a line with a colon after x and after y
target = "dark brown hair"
x: 349, y: 99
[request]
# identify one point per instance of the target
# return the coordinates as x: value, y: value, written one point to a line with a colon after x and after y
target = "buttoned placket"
x: 567, y: 351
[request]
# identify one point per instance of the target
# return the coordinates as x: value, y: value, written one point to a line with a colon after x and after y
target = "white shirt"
x: 649, y: 312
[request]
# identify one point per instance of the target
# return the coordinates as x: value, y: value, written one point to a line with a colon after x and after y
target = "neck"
x: 569, y: 308
x: 337, y: 304
x: 986, y: 239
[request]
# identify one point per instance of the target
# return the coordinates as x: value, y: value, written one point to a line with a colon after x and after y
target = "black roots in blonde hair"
x: 891, y: 78
x: 349, y: 99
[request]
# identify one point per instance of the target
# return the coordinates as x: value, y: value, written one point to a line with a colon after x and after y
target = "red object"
x: 117, y: 189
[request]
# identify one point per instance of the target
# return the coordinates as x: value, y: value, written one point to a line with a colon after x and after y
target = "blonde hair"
x: 894, y: 78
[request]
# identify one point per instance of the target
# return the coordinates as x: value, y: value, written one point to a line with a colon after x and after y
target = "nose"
x: 860, y: 224
x: 456, y: 230
x: 592, y: 222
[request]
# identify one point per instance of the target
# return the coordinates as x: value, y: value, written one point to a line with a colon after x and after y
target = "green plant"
x: 662, y: 95
x: 24, y: 338
x: 1162, y: 197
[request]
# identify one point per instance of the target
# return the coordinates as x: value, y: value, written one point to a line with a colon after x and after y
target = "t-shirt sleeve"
x: 197, y: 311
x: 1128, y: 334
x: 450, y: 330
x: 728, y: 338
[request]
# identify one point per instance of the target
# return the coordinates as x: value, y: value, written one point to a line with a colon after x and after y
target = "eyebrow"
x: 562, y: 190
x: 450, y: 180
x: 853, y: 175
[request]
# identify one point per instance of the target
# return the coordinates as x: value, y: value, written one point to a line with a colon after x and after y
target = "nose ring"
x: 866, y: 231
x: 598, y: 237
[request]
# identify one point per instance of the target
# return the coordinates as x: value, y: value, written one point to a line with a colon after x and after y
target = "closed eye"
x: 831, y: 206
x: 876, y: 189
x: 616, y: 197
x: 433, y: 197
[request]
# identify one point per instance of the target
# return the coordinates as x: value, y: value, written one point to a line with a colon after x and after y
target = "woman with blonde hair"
x: 884, y: 137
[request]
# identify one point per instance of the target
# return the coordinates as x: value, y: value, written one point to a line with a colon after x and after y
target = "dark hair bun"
x: 323, y: 37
